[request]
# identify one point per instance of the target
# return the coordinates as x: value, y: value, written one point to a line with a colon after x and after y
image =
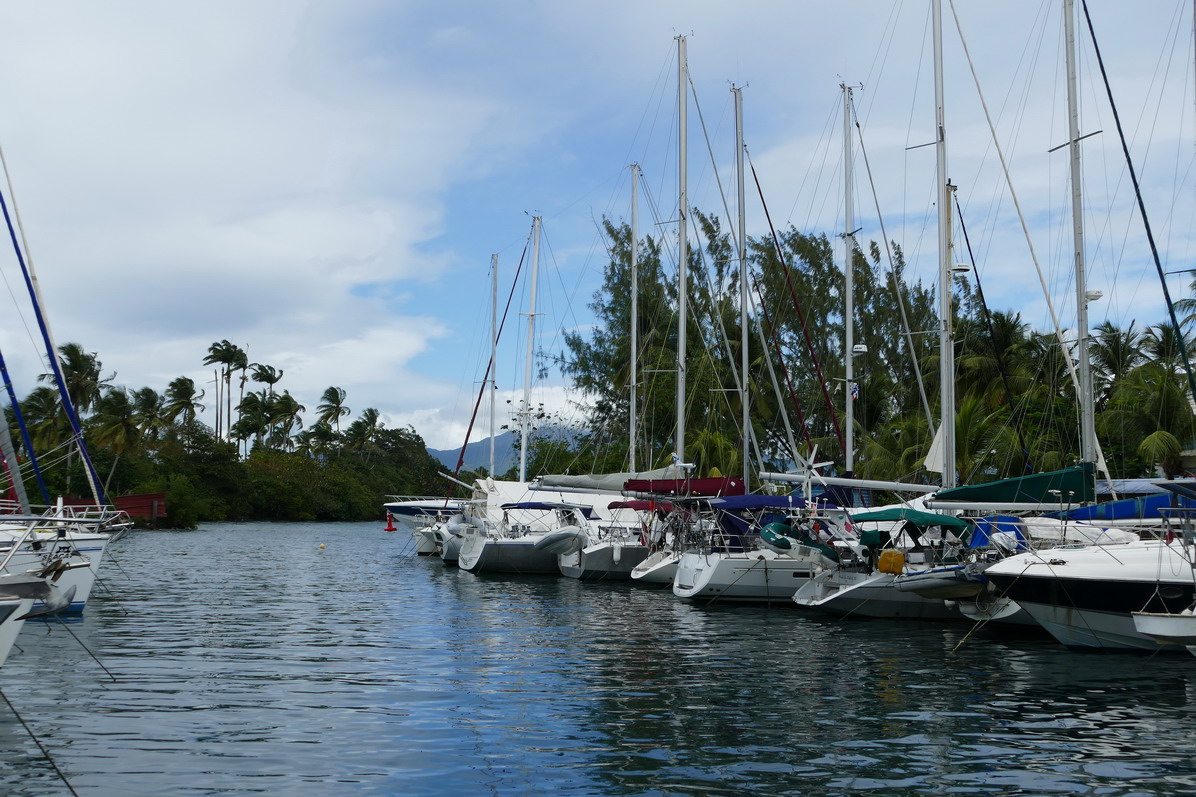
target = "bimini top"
x: 919, y: 519
x: 546, y: 506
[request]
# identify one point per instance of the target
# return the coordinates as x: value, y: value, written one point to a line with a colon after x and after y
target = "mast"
x: 682, y: 251
x: 525, y: 413
x: 1088, y: 444
x: 946, y: 343
x: 744, y: 399
x: 493, y: 351
x: 635, y: 313
x: 849, y: 290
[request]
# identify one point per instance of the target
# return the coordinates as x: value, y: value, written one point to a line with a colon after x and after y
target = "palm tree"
x: 332, y: 407
x: 267, y: 375
x: 240, y: 362
x: 226, y: 355
x: 1162, y: 343
x: 362, y: 434
x: 284, y: 412
x: 81, y: 374
x: 1114, y: 352
x: 324, y: 439
x: 47, y: 424
x: 150, y: 412
x: 253, y: 418
x: 1150, y: 406
x: 115, y: 425
x: 181, y: 401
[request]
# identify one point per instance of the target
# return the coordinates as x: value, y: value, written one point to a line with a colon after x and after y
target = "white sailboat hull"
x: 845, y: 594
x: 84, y: 550
x: 753, y: 576
x: 482, y: 554
x: 657, y: 569
x: 604, y: 561
x: 12, y: 613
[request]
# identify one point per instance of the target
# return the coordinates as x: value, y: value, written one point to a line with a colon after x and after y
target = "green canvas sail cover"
x: 918, y: 518
x: 1075, y: 485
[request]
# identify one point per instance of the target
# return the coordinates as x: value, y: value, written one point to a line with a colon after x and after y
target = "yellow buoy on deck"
x: 891, y: 562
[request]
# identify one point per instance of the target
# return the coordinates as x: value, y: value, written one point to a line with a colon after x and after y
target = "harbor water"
x: 328, y: 659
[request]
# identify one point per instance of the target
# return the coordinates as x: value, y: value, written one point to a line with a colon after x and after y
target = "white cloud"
x: 324, y: 183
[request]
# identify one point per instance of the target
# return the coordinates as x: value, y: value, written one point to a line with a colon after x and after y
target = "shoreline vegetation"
x: 1016, y: 410
x: 261, y: 466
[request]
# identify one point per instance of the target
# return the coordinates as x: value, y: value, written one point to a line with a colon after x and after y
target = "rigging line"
x: 489, y: 365
x: 93, y: 656
x: 825, y: 140
x: 1183, y: 349
x: 30, y: 453
x: 772, y: 334
x: 706, y: 135
x: 881, y: 54
x: 1027, y: 465
x: 55, y: 365
x: 569, y: 314
x: 1175, y: 175
x: 797, y: 306
x: 21, y: 228
x: 740, y: 384
x: 713, y: 162
x: 39, y: 744
x: 1071, y: 366
x: 776, y: 387
x: 909, y: 341
x: 657, y: 92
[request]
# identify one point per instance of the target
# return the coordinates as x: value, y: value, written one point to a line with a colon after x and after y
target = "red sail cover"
x: 729, y: 486
x: 641, y: 505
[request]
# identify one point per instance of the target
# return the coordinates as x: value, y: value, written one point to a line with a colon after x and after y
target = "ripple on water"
x: 248, y: 660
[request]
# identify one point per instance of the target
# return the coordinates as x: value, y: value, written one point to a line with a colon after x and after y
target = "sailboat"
x: 864, y: 586
x: 763, y: 550
x: 66, y: 540
x: 1111, y: 597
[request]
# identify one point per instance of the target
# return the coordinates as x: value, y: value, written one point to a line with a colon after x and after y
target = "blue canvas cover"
x: 1142, y: 508
x: 988, y: 526
x: 736, y: 503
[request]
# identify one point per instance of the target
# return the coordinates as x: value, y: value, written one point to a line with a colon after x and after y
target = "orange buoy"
x: 390, y: 522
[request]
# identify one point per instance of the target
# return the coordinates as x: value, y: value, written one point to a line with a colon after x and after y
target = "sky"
x: 325, y: 183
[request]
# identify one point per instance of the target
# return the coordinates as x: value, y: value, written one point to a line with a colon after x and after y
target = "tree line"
x: 1016, y: 410
x: 258, y: 462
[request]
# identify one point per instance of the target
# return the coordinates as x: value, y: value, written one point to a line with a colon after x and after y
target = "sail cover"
x: 608, y: 482
x: 1075, y: 485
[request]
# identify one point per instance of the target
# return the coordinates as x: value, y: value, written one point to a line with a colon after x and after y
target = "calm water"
x: 248, y: 660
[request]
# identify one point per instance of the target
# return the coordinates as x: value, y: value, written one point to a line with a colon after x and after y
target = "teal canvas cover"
x: 918, y: 518
x: 1075, y: 485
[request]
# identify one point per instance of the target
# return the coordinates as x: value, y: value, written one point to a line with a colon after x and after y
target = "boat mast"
x: 635, y: 316
x: 744, y: 399
x: 682, y: 251
x: 526, y: 412
x: 946, y: 343
x: 493, y: 351
x: 849, y: 290
x: 1088, y: 444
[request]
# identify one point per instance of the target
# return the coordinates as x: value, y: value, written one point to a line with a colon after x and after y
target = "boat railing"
x: 65, y: 514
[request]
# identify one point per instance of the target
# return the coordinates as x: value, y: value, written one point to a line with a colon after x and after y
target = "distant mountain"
x: 477, y: 453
